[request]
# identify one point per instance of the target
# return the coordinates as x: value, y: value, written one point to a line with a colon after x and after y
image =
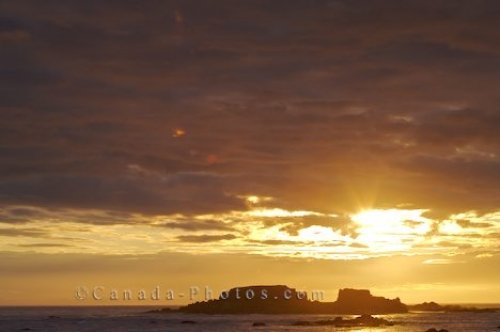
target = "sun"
x: 398, y: 221
x: 390, y: 229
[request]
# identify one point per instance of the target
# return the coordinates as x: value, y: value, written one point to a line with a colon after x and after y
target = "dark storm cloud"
x: 279, y: 242
x: 10, y: 232
x: 205, y: 238
x: 467, y: 223
x: 190, y: 225
x: 44, y: 245
x: 189, y: 193
x: 330, y: 105
x: 470, y: 182
x: 20, y: 215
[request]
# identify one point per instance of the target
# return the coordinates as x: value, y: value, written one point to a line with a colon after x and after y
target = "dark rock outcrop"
x: 284, y: 300
x: 355, y: 301
x: 364, y: 320
x: 427, y: 306
x: 435, y: 307
x: 254, y: 299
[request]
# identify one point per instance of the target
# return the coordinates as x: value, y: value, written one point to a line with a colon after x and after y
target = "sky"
x: 317, y: 144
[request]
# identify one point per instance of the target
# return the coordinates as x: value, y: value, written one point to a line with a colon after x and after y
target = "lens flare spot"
x: 178, y: 132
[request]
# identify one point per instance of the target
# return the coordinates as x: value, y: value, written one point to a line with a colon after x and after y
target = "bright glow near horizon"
x: 386, y: 230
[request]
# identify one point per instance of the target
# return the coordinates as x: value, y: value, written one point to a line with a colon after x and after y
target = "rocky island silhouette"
x: 281, y: 299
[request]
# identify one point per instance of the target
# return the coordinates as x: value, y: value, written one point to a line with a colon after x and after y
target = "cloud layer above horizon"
x: 142, y: 127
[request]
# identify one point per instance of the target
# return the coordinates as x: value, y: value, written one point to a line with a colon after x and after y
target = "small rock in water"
x: 188, y: 322
x: 259, y: 324
x: 363, y: 320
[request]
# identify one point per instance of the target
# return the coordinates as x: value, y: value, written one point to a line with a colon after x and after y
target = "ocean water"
x: 128, y: 319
